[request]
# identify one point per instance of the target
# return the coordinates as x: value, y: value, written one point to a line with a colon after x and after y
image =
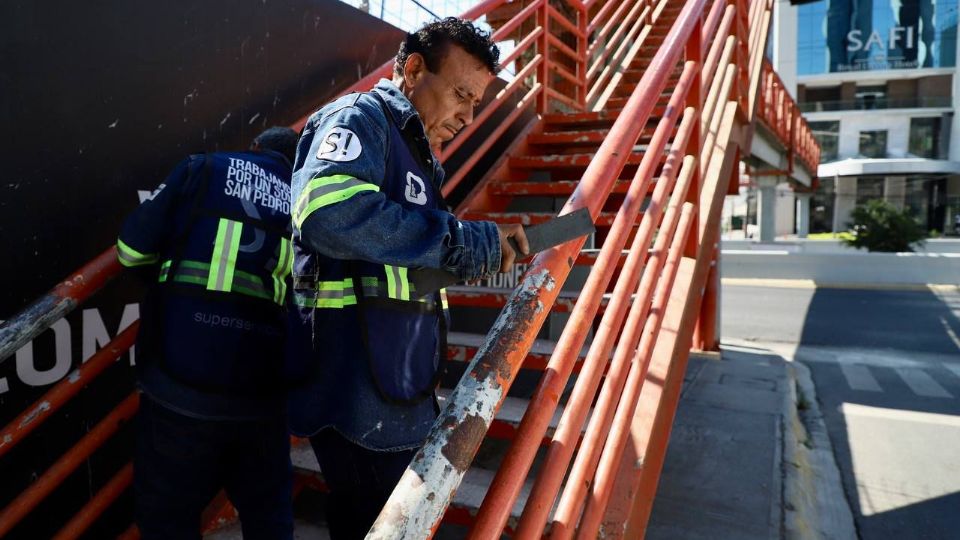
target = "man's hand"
x: 509, y: 256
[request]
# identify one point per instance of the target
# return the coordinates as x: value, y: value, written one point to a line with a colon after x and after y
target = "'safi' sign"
x: 898, y: 35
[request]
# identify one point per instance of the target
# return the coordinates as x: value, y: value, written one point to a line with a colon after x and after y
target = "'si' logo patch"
x: 340, y: 144
x: 416, y: 191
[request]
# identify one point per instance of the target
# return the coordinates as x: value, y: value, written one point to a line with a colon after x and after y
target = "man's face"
x: 445, y: 99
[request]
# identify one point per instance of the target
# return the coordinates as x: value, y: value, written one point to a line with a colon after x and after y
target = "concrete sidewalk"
x: 726, y: 474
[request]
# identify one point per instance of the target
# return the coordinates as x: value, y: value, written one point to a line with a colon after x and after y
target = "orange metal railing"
x: 723, y: 42
x: 563, y: 63
x: 780, y: 114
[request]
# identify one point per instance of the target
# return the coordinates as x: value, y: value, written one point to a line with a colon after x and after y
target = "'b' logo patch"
x: 416, y: 191
x: 340, y: 144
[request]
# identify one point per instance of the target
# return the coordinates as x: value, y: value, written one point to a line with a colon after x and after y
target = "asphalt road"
x: 886, y: 365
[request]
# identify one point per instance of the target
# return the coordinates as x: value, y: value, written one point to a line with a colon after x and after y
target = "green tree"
x: 879, y: 226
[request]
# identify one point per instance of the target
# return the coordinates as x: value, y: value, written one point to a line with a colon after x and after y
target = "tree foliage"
x: 880, y: 226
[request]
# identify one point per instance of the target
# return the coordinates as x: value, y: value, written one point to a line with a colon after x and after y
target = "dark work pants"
x: 182, y: 462
x: 360, y: 482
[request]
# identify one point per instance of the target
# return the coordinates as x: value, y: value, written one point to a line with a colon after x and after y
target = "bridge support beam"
x: 767, y: 207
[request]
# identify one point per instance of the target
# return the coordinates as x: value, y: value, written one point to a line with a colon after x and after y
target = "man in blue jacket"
x: 367, y: 208
x: 214, y: 240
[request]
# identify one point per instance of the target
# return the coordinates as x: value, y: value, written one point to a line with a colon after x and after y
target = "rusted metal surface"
x: 53, y: 306
x: 14, y: 512
x: 63, y: 391
x: 425, y: 490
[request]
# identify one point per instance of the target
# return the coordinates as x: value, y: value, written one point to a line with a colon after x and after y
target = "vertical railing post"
x: 694, y: 52
x: 582, y: 42
x: 543, y: 44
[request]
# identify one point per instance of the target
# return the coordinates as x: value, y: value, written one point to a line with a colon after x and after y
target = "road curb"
x: 813, y: 499
x: 814, y: 284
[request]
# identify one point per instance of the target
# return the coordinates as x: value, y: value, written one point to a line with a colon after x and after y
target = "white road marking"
x: 950, y: 332
x: 865, y: 411
x: 859, y: 378
x: 922, y: 384
x: 952, y: 368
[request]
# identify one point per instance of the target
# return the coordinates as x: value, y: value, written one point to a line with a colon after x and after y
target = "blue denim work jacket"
x: 367, y: 226
x: 348, y: 212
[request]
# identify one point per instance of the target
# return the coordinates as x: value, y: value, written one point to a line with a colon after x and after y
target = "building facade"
x: 878, y: 83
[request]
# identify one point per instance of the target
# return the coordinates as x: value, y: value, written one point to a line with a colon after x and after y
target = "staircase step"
x: 560, y: 161
x: 302, y: 530
x: 465, y: 502
x: 508, y: 418
x: 463, y: 346
x: 576, y: 137
x: 593, y: 119
x: 492, y: 297
x: 605, y: 219
x: 547, y: 189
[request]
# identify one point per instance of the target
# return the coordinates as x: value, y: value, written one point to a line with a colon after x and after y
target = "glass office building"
x: 836, y: 36
x: 877, y: 81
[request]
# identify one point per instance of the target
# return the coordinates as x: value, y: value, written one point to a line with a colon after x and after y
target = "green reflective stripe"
x: 325, y: 303
x: 194, y: 265
x: 180, y: 278
x: 130, y: 257
x: 224, y: 255
x: 325, y: 191
x: 164, y: 269
x: 198, y: 273
x: 398, y: 286
x: 391, y: 281
x: 335, y: 294
x: 280, y: 273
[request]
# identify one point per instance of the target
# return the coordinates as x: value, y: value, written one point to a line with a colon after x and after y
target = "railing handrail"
x: 860, y: 104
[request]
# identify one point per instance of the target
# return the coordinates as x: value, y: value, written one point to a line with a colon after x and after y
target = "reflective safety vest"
x: 357, y: 313
x: 216, y: 320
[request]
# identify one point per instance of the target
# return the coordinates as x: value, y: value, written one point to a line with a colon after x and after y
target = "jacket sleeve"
x: 339, y: 210
x: 147, y: 227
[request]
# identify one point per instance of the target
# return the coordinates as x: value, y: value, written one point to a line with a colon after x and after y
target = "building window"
x: 827, y: 135
x: 871, y: 97
x: 925, y: 137
x: 873, y: 144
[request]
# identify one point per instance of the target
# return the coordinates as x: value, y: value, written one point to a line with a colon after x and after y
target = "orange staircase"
x: 638, y: 110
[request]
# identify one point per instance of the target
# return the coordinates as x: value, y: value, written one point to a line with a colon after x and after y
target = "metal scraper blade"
x: 540, y: 237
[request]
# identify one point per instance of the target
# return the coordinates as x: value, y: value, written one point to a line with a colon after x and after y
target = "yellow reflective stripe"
x: 130, y: 257
x: 224, y: 259
x: 327, y: 190
x: 443, y: 299
x: 280, y: 273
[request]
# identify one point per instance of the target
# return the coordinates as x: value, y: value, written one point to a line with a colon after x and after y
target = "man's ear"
x: 413, y: 69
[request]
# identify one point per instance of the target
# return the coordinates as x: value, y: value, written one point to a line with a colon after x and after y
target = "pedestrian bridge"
x: 639, y: 111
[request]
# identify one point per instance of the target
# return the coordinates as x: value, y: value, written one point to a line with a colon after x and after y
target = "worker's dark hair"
x: 278, y: 139
x: 433, y: 39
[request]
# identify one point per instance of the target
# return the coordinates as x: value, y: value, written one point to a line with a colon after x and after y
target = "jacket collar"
x: 400, y: 107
